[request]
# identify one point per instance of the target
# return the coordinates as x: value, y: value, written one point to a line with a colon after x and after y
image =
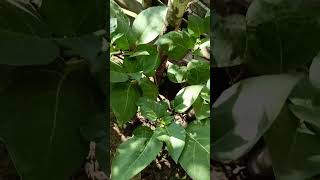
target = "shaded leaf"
x: 294, y: 151
x: 274, y: 30
x: 149, y: 89
x: 49, y: 109
x: 74, y: 19
x: 244, y: 112
x: 86, y: 46
x: 229, y: 41
x: 314, y: 73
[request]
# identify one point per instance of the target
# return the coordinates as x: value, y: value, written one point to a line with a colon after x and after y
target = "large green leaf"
x: 42, y: 113
x: 123, y: 98
x: 315, y: 72
x: 174, y: 136
x: 229, y: 41
x: 151, y: 109
x: 117, y: 73
x: 74, y: 18
x: 294, y: 150
x: 149, y: 24
x: 186, y: 97
x: 122, y: 37
x: 176, y: 44
x: 198, y: 72
x: 244, y: 112
x: 148, y: 63
x: 149, y: 89
x: 135, y: 154
x: 24, y: 36
x: 274, y: 40
x: 197, y: 25
x: 195, y: 158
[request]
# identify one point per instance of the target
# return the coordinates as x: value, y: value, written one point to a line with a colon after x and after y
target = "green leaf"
x: 174, y: 136
x: 201, y: 109
x: 122, y: 37
x: 142, y: 131
x: 149, y: 24
x: 294, y: 151
x: 123, y: 98
x: 186, y: 97
x: 149, y: 63
x: 176, y: 44
x: 149, y: 89
x: 134, y: 155
x: 198, y: 72
x: 314, y: 73
x: 67, y: 18
x: 197, y: 25
x: 177, y: 74
x: 195, y: 158
x: 229, y: 41
x: 116, y: 77
x: 152, y: 109
x: 46, y: 108
x: 117, y: 73
x: 274, y: 38
x: 244, y: 112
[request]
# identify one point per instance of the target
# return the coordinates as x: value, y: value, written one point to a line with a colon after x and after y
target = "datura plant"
x: 143, y: 52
